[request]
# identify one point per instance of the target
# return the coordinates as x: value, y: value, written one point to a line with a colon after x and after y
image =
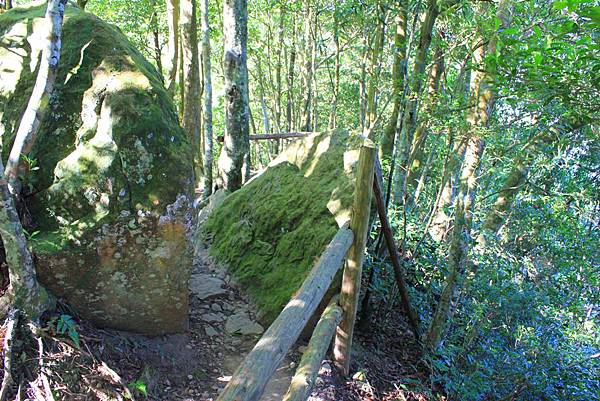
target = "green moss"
x: 271, y: 231
x: 84, y: 175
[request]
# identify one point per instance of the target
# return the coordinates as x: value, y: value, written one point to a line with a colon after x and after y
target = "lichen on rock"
x: 272, y: 230
x: 110, y: 197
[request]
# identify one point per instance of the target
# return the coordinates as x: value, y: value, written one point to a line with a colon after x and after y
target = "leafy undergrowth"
x: 72, y: 365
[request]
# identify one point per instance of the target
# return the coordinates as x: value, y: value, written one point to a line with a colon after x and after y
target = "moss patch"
x: 271, y: 231
x: 110, y: 138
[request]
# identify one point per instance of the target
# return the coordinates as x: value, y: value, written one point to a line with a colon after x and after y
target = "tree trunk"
x: 374, y: 70
x: 398, y: 67
x: 336, y: 78
x: 307, y: 90
x: 233, y: 157
x: 80, y: 3
x: 483, y: 95
x: 207, y: 114
x: 417, y: 150
x: 38, y: 102
x: 290, y: 79
x: 24, y: 292
x: 459, y: 245
x: 157, y: 47
x: 191, y: 72
x: 173, y: 53
x: 409, y: 116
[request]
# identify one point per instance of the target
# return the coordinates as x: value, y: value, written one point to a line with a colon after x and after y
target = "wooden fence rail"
x: 249, y: 380
x: 303, y: 381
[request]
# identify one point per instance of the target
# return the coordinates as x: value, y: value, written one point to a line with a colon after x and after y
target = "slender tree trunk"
x: 417, y: 151
x: 24, y: 292
x: 191, y: 72
x: 290, y: 79
x: 409, y: 116
x: 308, y: 67
x: 374, y: 70
x: 236, y: 147
x: 157, y: 47
x: 387, y: 141
x: 459, y: 245
x: 278, y: 76
x: 336, y: 79
x: 80, y: 3
x: 483, y: 94
x: 207, y: 114
x: 38, y: 102
x: 173, y: 24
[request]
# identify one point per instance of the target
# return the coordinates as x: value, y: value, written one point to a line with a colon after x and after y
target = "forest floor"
x: 196, y: 365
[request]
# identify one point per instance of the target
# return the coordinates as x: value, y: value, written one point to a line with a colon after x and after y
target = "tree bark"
x: 235, y: 151
x: 290, y: 79
x: 374, y: 70
x: 173, y: 53
x: 38, y: 102
x: 398, y: 67
x: 336, y: 79
x: 157, y: 47
x: 417, y: 153
x: 191, y: 72
x: 483, y: 94
x: 308, y: 67
x: 409, y: 115
x: 24, y: 291
x: 207, y: 112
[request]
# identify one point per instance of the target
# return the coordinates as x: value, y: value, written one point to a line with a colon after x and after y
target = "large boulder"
x: 272, y: 230
x: 111, y: 173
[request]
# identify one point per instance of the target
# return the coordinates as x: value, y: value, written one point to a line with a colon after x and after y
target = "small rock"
x: 241, y: 323
x: 212, y: 317
x: 205, y: 286
x: 216, y: 307
x: 210, y: 331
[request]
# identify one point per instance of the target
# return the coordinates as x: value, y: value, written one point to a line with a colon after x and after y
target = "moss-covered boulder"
x: 109, y: 177
x: 272, y: 230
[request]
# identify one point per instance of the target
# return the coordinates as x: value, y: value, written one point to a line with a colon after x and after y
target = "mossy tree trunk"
x: 409, y: 115
x: 207, y: 114
x: 290, y: 80
x: 482, y: 93
x: 38, y: 102
x: 336, y: 78
x: 173, y: 44
x: 374, y: 69
x: 24, y: 292
x: 191, y: 72
x: 233, y: 157
x: 308, y: 53
x: 417, y: 153
x: 398, y: 72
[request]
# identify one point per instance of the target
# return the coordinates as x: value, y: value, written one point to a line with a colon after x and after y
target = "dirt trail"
x: 196, y: 365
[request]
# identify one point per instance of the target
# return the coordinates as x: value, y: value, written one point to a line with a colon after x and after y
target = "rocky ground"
x: 196, y: 365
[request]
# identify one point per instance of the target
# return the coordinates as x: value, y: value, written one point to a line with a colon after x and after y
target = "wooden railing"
x: 250, y: 379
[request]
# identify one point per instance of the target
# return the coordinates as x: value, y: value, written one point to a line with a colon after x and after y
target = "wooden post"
x: 250, y: 379
x: 353, y: 268
x: 304, y: 379
x: 393, y: 250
